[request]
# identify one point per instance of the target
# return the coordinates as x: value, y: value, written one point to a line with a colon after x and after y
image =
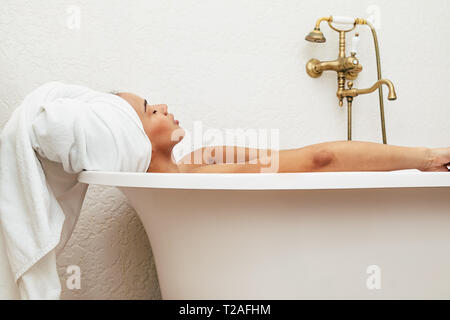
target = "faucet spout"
x: 354, y: 92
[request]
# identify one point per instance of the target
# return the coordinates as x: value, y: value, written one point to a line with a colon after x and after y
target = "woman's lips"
x: 175, y: 121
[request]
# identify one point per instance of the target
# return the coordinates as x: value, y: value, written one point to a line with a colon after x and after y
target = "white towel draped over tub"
x: 58, y: 131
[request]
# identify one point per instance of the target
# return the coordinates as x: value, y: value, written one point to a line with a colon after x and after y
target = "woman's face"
x: 159, y: 125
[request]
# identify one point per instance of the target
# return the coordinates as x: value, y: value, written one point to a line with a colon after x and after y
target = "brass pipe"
x: 349, y: 118
x: 380, y: 89
x: 349, y: 113
x: 341, y: 86
x: 341, y: 44
x: 320, y: 20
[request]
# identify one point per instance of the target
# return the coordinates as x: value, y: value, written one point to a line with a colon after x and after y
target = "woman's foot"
x: 439, y: 160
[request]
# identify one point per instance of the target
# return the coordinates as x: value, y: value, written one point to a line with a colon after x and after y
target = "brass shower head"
x: 315, y: 36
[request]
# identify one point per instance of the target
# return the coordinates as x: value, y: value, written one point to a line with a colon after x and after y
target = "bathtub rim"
x: 269, y: 181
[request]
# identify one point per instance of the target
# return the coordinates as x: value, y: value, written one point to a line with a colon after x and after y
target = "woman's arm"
x: 333, y: 156
x: 235, y: 154
x: 371, y: 156
x: 220, y: 154
x: 228, y: 168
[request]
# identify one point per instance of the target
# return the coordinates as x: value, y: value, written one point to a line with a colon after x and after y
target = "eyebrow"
x: 145, y: 105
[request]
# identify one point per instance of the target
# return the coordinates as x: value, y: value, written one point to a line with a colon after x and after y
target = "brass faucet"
x: 354, y: 92
x: 348, y: 67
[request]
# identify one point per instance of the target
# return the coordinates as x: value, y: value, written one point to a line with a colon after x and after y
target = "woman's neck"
x: 162, y: 162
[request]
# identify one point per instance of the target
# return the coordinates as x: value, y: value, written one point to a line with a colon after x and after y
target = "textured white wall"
x: 231, y: 64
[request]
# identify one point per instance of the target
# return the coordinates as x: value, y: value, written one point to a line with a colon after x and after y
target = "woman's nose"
x: 164, y: 108
x: 161, y: 108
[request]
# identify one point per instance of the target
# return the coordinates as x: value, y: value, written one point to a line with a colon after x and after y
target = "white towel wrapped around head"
x: 85, y: 129
x: 77, y: 129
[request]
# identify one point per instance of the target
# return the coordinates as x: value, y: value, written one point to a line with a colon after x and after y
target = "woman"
x: 164, y: 133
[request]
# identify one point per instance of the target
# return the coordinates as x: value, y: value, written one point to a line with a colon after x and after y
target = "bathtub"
x: 319, y: 235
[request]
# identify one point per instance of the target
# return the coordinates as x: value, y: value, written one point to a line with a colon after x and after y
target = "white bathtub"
x: 294, y: 235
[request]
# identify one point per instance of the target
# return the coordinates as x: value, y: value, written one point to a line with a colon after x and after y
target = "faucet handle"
x: 355, y: 41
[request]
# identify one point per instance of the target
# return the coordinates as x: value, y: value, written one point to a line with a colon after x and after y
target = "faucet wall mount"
x: 348, y: 67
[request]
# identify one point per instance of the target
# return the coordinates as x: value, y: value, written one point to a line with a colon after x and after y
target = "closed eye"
x: 145, y: 106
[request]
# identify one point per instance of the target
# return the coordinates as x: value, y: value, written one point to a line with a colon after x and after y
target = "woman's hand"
x: 439, y: 160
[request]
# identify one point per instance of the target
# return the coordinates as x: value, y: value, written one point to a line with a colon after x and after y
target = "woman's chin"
x: 178, y: 134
